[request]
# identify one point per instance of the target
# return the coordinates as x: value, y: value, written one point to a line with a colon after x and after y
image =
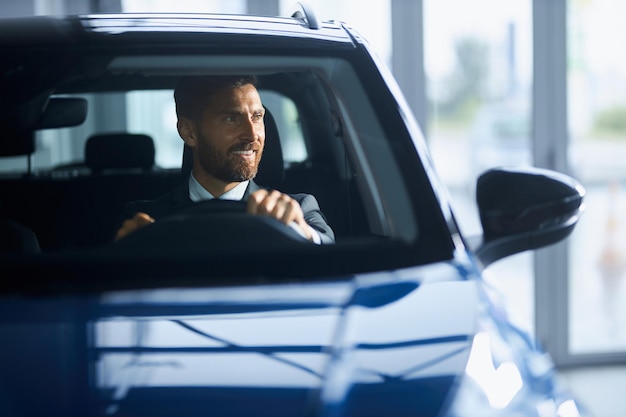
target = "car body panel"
x: 334, y: 338
x: 372, y: 344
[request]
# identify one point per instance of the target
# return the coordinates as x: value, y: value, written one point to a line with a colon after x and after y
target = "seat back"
x: 271, y: 168
x: 119, y: 151
x: 122, y: 167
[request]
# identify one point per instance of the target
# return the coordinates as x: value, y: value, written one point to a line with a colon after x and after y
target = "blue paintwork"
x: 390, y: 343
x: 346, y: 344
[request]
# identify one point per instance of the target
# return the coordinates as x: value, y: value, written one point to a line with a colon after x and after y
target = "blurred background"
x: 492, y: 82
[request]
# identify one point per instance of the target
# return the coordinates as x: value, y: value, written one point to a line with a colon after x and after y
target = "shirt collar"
x: 198, y: 193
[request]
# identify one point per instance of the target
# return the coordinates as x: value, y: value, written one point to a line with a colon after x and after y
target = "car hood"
x: 376, y: 344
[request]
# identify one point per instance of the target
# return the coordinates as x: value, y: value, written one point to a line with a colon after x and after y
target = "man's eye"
x: 230, y: 119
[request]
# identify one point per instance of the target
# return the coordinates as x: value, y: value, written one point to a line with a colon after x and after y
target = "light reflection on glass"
x: 568, y: 409
x: 546, y: 408
x: 499, y: 384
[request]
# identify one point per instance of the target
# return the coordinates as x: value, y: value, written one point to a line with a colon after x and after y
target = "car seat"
x: 121, y: 168
x: 119, y: 151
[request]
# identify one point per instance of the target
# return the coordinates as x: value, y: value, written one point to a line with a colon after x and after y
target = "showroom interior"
x: 492, y: 82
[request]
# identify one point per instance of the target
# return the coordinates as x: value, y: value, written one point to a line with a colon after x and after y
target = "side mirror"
x: 524, y: 208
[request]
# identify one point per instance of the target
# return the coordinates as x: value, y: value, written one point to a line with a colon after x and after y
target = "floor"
x: 600, y: 390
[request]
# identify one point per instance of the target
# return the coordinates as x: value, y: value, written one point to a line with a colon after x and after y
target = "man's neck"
x: 213, y: 185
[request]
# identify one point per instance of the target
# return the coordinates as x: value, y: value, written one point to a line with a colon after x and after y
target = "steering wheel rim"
x: 220, y: 225
x: 213, y: 206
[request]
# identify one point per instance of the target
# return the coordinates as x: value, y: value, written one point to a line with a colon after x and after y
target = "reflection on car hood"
x: 362, y: 346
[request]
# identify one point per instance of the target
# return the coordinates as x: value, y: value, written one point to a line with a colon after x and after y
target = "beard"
x: 224, y: 165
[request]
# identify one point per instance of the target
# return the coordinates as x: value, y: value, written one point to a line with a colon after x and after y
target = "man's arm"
x: 315, y: 218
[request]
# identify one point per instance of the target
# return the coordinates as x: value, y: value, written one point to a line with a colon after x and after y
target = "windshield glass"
x: 327, y: 145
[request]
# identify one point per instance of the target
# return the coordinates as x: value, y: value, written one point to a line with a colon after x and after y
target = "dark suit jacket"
x: 178, y: 199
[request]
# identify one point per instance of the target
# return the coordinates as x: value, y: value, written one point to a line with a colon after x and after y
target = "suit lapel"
x: 180, y: 196
x: 252, y: 187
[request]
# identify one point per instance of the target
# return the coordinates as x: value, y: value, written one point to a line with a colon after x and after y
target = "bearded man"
x: 221, y: 119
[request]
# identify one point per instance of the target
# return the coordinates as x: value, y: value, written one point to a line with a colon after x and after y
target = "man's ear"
x: 187, y: 131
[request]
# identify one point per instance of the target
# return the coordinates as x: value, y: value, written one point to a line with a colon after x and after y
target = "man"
x: 221, y: 120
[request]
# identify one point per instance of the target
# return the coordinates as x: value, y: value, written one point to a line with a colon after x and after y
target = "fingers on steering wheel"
x: 132, y: 224
x: 274, y: 204
x: 289, y: 210
x: 255, y: 201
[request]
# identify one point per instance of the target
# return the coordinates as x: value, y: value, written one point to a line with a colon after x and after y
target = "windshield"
x: 327, y: 143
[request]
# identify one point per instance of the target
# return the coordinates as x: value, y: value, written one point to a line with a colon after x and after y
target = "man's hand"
x: 279, y: 206
x: 132, y: 224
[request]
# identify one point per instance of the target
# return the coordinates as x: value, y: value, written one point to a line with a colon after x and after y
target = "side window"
x: 287, y: 118
x: 154, y: 113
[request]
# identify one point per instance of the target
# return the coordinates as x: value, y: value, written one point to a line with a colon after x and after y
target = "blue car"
x: 213, y: 311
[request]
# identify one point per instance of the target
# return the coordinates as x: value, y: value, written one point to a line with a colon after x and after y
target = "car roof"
x: 46, y: 48
x: 203, y: 23
x: 149, y: 27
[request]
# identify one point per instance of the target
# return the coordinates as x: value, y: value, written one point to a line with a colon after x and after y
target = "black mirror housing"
x: 63, y: 112
x: 525, y: 208
x: 18, y: 125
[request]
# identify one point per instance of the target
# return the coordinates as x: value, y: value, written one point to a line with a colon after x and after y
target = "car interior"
x: 80, y: 204
x: 113, y: 121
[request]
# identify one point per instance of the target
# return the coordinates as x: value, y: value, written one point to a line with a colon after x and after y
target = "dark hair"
x: 193, y: 93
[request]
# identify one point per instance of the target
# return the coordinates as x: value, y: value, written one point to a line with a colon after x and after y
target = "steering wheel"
x: 220, y: 225
x: 206, y: 207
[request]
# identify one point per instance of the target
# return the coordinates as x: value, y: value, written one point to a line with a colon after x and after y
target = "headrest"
x: 271, y: 168
x: 119, y: 151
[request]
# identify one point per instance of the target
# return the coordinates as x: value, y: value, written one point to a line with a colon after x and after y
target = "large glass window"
x: 597, y: 124
x: 479, y: 76
x: 180, y: 6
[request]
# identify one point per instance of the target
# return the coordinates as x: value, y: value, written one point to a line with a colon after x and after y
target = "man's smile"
x: 247, y: 155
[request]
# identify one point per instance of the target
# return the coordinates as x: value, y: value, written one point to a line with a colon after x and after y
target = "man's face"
x: 231, y: 135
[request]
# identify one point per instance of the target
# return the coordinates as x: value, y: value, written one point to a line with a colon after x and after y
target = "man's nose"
x: 252, y: 131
